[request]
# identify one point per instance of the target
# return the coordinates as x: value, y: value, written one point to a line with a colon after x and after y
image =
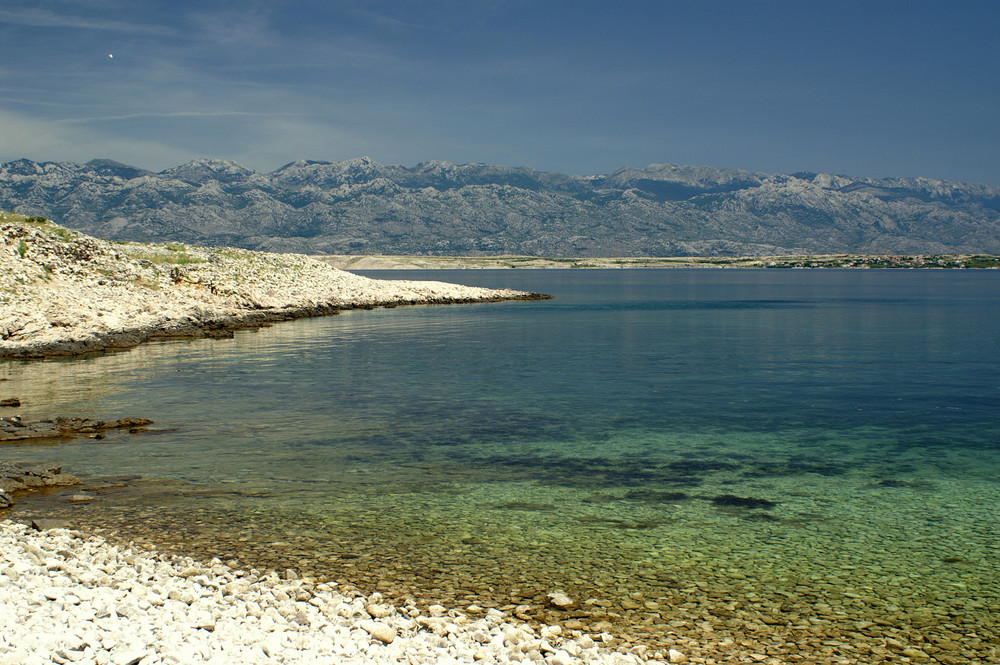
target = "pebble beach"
x: 69, y: 598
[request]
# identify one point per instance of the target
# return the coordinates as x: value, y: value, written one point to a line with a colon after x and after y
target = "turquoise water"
x: 769, y: 441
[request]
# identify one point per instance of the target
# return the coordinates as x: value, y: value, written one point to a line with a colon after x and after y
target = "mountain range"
x: 359, y: 206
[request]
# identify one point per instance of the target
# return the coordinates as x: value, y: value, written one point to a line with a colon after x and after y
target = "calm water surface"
x: 675, y: 447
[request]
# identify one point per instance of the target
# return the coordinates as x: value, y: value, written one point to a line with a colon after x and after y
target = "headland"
x: 65, y: 293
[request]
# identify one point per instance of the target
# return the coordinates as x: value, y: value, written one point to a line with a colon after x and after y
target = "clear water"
x: 497, y: 452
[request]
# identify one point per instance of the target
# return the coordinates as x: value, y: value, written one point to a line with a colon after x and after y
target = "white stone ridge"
x: 62, y: 292
x: 69, y: 598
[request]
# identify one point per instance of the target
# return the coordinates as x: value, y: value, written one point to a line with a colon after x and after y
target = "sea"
x: 747, y: 462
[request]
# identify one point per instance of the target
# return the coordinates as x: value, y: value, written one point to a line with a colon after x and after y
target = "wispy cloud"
x: 175, y: 114
x: 44, y: 18
x: 586, y: 89
x: 38, y: 139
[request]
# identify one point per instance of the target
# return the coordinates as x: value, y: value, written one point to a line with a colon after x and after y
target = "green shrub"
x: 22, y: 248
x: 180, y: 258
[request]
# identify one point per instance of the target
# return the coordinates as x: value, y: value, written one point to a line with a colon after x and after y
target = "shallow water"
x: 745, y: 459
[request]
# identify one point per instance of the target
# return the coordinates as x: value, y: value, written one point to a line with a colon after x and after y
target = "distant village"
x: 887, y: 261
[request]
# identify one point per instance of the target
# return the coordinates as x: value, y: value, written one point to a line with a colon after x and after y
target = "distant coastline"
x: 806, y: 261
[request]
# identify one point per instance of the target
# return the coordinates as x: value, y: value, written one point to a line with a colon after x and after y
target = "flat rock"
x: 380, y: 631
x: 561, y: 601
x: 15, y: 429
x: 45, y: 523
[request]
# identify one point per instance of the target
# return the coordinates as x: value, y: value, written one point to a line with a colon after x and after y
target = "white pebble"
x: 94, y: 603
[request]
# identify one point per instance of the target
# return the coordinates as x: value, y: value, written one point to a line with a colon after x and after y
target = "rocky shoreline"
x: 17, y: 477
x: 64, y: 293
x: 12, y: 428
x: 69, y: 598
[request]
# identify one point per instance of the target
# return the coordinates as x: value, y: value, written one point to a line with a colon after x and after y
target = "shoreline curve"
x: 63, y: 293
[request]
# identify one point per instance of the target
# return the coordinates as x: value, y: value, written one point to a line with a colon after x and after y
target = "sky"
x: 878, y: 88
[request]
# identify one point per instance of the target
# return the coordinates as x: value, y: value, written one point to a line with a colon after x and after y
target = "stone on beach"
x: 379, y: 631
x: 66, y: 598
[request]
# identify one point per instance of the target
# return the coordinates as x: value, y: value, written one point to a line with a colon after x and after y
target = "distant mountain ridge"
x: 359, y: 206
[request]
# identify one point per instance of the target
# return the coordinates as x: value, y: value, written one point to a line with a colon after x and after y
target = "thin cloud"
x: 43, y: 18
x: 175, y: 114
x: 38, y: 139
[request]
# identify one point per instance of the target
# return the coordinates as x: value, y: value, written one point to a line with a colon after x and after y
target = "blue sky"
x: 874, y: 88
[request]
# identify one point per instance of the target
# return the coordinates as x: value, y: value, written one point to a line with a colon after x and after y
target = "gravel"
x: 70, y: 598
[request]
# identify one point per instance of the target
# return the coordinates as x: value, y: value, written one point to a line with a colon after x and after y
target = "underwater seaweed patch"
x: 732, y: 501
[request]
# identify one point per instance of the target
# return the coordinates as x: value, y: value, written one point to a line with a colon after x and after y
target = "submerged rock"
x: 561, y: 601
x: 731, y: 501
x: 46, y: 523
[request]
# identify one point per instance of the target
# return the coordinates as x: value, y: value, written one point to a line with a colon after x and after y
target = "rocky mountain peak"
x: 438, y: 207
x: 200, y: 170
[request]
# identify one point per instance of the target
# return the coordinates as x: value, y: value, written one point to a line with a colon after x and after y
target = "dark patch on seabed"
x: 655, y: 496
x: 730, y: 501
x: 606, y: 472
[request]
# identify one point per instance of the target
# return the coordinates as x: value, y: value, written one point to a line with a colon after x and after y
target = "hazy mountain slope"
x: 361, y: 206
